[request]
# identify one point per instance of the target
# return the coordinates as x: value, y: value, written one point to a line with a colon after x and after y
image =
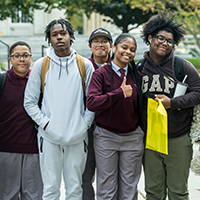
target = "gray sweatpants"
x: 118, y: 162
x: 57, y: 160
x: 20, y: 177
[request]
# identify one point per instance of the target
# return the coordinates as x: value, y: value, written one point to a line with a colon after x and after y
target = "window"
x: 20, y: 17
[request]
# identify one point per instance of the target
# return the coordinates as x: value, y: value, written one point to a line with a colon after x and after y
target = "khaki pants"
x: 168, y: 173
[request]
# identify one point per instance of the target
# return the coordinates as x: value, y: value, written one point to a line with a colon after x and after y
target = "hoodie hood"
x: 51, y: 54
x: 61, y: 61
x: 168, y: 57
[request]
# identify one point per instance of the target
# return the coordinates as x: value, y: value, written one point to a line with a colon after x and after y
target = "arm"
x: 97, y: 99
x: 191, y: 98
x: 32, y: 94
x: 88, y: 115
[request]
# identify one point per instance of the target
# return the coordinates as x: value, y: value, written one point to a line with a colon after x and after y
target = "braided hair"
x: 66, y: 25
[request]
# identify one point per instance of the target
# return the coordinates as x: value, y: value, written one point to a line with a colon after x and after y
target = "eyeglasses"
x: 17, y: 57
x: 162, y: 39
x: 103, y: 42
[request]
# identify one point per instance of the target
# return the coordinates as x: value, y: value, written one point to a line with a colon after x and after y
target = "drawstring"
x: 67, y: 66
x: 61, y: 68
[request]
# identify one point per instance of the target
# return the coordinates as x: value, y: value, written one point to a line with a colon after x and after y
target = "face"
x: 124, y: 52
x: 160, y: 48
x: 100, y: 46
x: 60, y: 40
x: 21, y: 66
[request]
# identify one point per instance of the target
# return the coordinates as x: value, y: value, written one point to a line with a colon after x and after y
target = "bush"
x: 195, y: 62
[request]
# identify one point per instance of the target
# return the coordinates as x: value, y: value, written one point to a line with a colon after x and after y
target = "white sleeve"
x: 32, y: 95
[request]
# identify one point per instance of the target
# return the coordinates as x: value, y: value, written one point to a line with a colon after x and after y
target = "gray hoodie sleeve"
x: 32, y: 95
x: 88, y: 116
x: 192, y: 97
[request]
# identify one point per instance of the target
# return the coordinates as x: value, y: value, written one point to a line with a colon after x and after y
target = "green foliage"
x: 121, y: 14
x: 195, y: 62
x: 7, y: 8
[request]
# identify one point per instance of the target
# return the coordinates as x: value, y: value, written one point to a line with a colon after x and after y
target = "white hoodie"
x: 62, y: 104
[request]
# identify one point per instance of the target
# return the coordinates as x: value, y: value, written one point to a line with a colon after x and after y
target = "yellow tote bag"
x: 157, y: 131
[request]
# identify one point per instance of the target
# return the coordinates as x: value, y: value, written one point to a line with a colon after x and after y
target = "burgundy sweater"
x: 17, y: 130
x: 123, y: 115
x: 95, y: 65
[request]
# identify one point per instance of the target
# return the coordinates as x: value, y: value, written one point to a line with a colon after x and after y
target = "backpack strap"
x: 2, y: 82
x: 81, y: 67
x: 45, y: 67
x: 178, y: 68
x: 140, y: 64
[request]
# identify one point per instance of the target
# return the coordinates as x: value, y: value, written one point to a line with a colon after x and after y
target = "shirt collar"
x: 116, y: 68
x: 19, y: 77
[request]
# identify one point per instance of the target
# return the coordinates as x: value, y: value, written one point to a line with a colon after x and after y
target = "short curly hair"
x: 65, y: 25
x: 162, y: 21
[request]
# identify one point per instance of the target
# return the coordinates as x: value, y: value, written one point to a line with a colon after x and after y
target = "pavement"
x: 193, y: 184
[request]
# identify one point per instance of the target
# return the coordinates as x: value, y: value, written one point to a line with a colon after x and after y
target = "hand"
x: 103, y: 64
x: 127, y: 89
x: 165, y: 100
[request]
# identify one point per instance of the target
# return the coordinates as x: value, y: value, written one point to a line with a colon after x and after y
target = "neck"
x: 100, y: 59
x: 154, y: 58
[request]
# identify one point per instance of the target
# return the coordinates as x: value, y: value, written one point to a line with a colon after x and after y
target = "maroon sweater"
x: 123, y: 115
x: 17, y: 130
x: 94, y: 64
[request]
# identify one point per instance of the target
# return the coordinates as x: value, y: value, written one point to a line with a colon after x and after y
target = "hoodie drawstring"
x: 61, y: 68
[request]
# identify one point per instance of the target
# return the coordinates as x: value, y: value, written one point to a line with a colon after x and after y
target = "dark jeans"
x: 88, y: 175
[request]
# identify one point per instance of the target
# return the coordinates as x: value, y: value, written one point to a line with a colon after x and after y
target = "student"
x: 100, y: 43
x: 118, y: 138
x: 168, y: 174
x: 19, y: 160
x: 62, y: 119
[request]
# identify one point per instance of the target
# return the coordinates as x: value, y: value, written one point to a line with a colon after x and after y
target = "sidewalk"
x: 193, y: 182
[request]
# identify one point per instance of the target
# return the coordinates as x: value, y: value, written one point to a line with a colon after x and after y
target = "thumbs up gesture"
x: 127, y: 89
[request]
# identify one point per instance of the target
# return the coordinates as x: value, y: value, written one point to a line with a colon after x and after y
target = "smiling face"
x: 60, y: 40
x: 21, y: 66
x: 124, y: 52
x: 159, y: 50
x: 100, y: 47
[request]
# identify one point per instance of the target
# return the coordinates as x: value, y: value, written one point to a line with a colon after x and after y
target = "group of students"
x: 107, y: 130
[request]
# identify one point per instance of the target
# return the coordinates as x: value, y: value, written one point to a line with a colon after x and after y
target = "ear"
x: 10, y: 60
x: 113, y: 48
x: 90, y: 46
x: 149, y: 39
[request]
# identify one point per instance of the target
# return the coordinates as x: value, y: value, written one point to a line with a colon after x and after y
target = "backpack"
x: 178, y: 67
x: 2, y: 81
x: 45, y: 67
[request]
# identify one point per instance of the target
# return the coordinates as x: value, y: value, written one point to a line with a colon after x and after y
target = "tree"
x: 187, y: 12
x: 8, y: 8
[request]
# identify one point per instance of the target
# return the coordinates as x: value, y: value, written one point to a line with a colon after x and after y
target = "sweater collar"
x: 19, y: 77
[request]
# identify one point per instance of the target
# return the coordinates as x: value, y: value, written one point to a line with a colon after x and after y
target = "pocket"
x: 41, y: 144
x: 85, y: 146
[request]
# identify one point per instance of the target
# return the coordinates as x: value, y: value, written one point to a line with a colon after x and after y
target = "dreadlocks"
x: 65, y: 25
x: 164, y: 22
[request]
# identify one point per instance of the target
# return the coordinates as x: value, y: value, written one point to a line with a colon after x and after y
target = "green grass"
x: 195, y: 62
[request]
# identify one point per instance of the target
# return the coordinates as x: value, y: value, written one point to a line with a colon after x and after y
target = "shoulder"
x: 187, y: 65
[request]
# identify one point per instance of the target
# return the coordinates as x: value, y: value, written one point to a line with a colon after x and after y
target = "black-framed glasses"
x: 96, y: 42
x: 17, y: 57
x: 162, y: 39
